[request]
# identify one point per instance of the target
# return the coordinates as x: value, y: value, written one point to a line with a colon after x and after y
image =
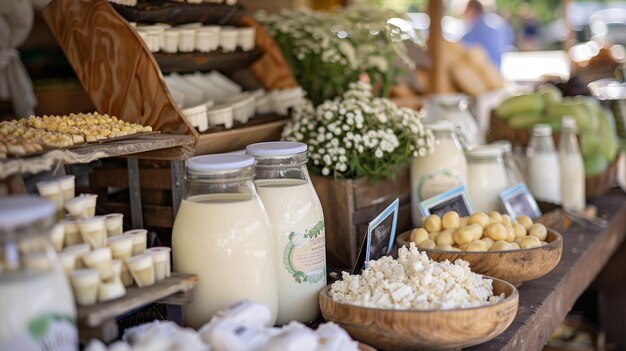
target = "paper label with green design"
x: 47, y: 332
x: 304, y: 256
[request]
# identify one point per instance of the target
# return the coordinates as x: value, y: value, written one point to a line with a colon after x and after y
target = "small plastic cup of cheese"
x: 162, y: 262
x: 140, y: 240
x: 72, y: 233
x: 83, y: 206
x: 85, y: 284
x: 57, y: 236
x: 121, y: 247
x: 51, y: 190
x: 111, y: 290
x: 93, y: 231
x: 68, y: 261
x: 78, y: 250
x: 68, y: 186
x: 142, y: 269
x: 114, y: 223
x: 101, y: 260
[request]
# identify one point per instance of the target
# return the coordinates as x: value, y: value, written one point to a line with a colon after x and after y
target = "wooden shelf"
x: 144, y: 146
x: 198, y: 61
x: 180, y: 13
x: 99, y: 319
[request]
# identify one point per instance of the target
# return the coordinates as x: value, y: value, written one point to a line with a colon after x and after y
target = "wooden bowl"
x: 424, y: 329
x: 515, y: 266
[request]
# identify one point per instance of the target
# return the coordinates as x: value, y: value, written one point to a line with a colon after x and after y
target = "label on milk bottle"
x: 437, y: 182
x: 305, y: 255
x: 47, y: 332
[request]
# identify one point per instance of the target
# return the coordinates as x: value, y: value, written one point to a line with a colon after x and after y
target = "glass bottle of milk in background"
x: 544, y: 174
x: 222, y: 234
x: 38, y: 311
x: 296, y: 216
x: 572, y: 167
x: 444, y: 169
x: 486, y: 177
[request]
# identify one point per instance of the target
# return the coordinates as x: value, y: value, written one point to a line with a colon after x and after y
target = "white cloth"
x: 16, y: 21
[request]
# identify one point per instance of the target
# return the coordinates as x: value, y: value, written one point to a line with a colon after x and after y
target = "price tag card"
x: 455, y: 199
x: 379, y: 240
x: 518, y: 201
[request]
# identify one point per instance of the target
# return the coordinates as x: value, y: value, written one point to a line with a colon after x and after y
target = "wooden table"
x: 545, y: 302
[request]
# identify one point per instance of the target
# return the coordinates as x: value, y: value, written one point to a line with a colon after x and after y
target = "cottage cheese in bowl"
x: 415, y: 282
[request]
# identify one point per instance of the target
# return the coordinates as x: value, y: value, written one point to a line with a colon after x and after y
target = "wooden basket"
x: 350, y: 204
x: 123, y: 78
x: 594, y: 186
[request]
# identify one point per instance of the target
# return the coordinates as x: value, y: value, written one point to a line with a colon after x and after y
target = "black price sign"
x: 379, y: 239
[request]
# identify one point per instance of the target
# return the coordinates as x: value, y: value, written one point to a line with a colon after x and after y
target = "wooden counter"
x: 545, y: 302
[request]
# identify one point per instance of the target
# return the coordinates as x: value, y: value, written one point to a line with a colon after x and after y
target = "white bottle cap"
x: 542, y: 129
x: 219, y: 162
x: 568, y: 122
x: 20, y: 211
x: 276, y: 148
x: 441, y: 125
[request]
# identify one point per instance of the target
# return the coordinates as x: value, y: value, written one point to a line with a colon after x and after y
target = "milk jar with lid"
x: 36, y: 302
x: 544, y: 174
x: 572, y: 167
x: 222, y: 234
x: 486, y: 177
x: 296, y: 216
x: 454, y: 108
x: 442, y: 170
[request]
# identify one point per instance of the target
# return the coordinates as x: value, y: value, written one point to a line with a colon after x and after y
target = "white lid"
x: 67, y: 182
x: 442, y: 125
x: 276, y: 148
x: 485, y: 151
x: 98, y: 255
x: 20, y: 211
x: 219, y: 162
x: 542, y: 129
x: 568, y: 122
x: 78, y: 249
x: 140, y: 261
x: 505, y: 145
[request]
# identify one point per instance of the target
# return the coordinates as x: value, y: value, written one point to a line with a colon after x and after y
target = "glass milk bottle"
x: 33, y: 288
x: 298, y: 221
x: 222, y: 234
x: 486, y: 176
x: 572, y: 168
x: 544, y: 174
x: 444, y: 169
x: 454, y: 108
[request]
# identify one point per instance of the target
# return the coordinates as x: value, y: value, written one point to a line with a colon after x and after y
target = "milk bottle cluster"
x: 259, y: 238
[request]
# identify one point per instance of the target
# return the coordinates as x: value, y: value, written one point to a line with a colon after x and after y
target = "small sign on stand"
x: 455, y: 199
x: 518, y: 201
x: 380, y: 237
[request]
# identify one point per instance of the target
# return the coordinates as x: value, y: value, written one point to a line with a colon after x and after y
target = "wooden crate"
x: 348, y: 207
x: 123, y: 78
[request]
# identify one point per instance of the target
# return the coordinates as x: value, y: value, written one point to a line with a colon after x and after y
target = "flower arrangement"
x: 357, y: 134
x: 327, y: 51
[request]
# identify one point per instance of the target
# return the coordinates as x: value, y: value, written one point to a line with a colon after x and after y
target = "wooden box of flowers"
x: 359, y: 148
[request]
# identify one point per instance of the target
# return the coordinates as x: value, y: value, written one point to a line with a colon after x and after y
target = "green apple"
x: 525, y: 103
x: 525, y: 120
x: 590, y: 143
x: 595, y: 163
x: 550, y: 94
x: 606, y: 130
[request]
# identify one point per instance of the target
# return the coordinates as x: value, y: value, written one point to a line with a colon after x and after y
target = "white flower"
x: 325, y: 171
x: 378, y: 153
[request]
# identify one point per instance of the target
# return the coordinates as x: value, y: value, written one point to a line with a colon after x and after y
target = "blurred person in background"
x: 529, y: 36
x: 488, y: 30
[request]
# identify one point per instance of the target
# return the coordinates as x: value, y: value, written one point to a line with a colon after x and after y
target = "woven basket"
x: 594, y: 186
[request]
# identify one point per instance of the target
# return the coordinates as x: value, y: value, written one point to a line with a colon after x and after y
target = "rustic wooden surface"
x: 94, y: 315
x: 236, y: 139
x: 546, y: 301
x: 515, y: 266
x: 180, y: 13
x: 90, y: 152
x: 424, y: 330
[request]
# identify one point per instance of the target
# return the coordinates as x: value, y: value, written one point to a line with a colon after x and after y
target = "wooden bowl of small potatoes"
x: 512, y: 265
x: 388, y: 329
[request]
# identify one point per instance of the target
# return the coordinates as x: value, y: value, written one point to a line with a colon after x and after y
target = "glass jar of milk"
x: 36, y: 301
x: 298, y: 221
x: 454, y: 108
x: 222, y: 234
x: 487, y: 177
x: 544, y: 171
x: 444, y: 169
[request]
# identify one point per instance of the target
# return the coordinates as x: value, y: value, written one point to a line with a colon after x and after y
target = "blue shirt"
x: 493, y: 34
